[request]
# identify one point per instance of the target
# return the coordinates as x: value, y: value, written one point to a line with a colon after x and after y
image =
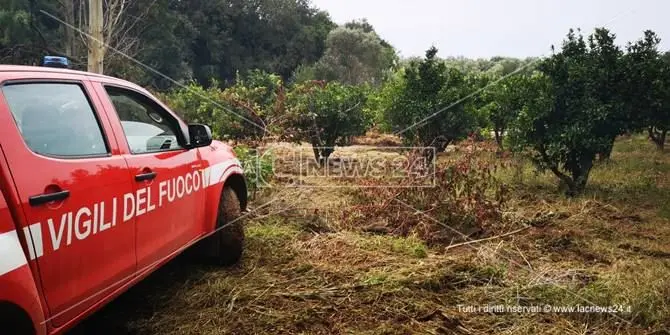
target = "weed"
x: 467, y: 200
x: 258, y: 167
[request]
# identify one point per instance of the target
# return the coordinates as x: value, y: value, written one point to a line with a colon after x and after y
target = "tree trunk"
x: 582, y: 179
x: 658, y: 136
x: 580, y: 175
x: 321, y: 154
x: 440, y: 143
x: 96, y: 48
x: 499, y: 138
x: 317, y: 154
x: 607, y: 153
x: 569, y: 182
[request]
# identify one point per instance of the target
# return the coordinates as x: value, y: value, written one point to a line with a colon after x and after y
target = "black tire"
x: 14, y: 320
x: 225, y: 247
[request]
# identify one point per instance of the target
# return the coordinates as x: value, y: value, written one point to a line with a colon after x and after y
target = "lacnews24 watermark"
x: 387, y: 167
x: 543, y: 309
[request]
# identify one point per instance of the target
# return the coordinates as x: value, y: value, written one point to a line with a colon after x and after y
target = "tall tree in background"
x: 648, y: 83
x: 14, y: 28
x: 389, y: 57
x: 182, y: 40
x: 354, y: 55
x: 240, y: 35
x: 32, y: 29
x: 165, y: 47
x: 26, y: 36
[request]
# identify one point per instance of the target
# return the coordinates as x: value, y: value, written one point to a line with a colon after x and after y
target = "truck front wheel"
x: 14, y: 320
x: 227, y: 243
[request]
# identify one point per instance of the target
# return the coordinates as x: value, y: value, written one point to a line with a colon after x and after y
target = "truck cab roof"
x: 51, y: 71
x: 28, y: 68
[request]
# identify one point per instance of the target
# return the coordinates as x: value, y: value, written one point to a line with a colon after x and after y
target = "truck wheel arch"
x: 239, y: 185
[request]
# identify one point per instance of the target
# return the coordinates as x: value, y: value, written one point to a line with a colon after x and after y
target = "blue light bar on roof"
x: 56, y: 61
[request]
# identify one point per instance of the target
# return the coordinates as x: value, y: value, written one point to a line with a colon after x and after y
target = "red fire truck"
x: 101, y: 184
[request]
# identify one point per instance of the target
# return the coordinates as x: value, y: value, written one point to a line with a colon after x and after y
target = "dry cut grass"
x: 307, y: 272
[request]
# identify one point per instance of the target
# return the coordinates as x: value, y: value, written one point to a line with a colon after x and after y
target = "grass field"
x: 306, y: 271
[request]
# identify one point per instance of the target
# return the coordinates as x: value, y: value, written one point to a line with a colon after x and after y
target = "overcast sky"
x: 486, y: 28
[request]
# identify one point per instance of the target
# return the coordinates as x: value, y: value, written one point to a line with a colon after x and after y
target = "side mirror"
x: 200, y: 135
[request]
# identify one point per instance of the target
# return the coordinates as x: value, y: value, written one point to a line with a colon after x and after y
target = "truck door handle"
x: 49, y: 197
x: 145, y: 176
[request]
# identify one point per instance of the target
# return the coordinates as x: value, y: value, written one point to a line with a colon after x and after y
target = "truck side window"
x: 147, y: 127
x: 55, y: 119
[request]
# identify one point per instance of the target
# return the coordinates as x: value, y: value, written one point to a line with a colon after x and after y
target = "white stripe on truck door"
x: 11, y: 253
x: 33, y: 233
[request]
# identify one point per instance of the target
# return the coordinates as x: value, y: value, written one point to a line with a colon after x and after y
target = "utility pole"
x: 96, y: 48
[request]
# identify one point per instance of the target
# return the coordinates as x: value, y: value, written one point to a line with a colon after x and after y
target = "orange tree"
x: 574, y: 109
x: 325, y: 115
x: 426, y: 106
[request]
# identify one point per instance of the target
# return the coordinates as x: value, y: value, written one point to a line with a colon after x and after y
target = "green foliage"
x: 274, y: 36
x: 235, y: 55
x: 354, y: 55
x: 257, y: 165
x: 262, y: 95
x: 573, y: 111
x: 303, y: 73
x: 648, y: 87
x: 425, y: 88
x: 20, y: 29
x: 181, y: 40
x: 248, y: 110
x: 496, y: 66
x: 374, y: 108
x: 590, y: 93
x: 501, y: 103
x: 481, y: 104
x: 467, y: 198
x: 209, y: 106
x: 384, y: 99
x: 326, y: 115
x: 13, y: 22
x: 606, y: 72
x: 323, y: 115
